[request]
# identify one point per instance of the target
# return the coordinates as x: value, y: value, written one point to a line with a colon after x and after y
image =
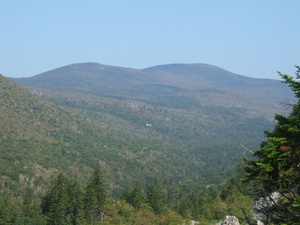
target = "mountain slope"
x: 208, y: 134
x: 180, y: 122
x: 38, y: 138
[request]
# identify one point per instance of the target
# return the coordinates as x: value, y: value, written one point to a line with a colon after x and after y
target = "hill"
x: 39, y: 138
x: 112, y: 81
x: 182, y: 123
x: 198, y: 76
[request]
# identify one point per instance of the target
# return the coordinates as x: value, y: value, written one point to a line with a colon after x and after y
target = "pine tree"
x: 31, y: 206
x: 96, y: 196
x: 134, y: 197
x: 8, y: 209
x: 62, y: 204
x: 155, y: 198
x: 75, y: 201
x: 54, y: 203
x: 137, y: 197
x: 276, y: 163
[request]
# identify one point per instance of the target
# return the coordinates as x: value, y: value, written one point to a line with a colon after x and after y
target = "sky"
x: 255, y: 38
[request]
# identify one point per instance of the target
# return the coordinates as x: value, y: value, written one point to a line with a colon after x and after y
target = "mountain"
x: 197, y: 76
x: 87, y: 78
x: 39, y: 138
x: 185, y: 124
x: 103, y: 80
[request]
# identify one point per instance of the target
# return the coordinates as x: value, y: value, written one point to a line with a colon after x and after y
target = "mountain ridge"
x: 177, y: 76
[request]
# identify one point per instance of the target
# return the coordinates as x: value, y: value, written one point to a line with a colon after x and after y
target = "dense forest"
x: 82, y: 190
x: 67, y: 201
x: 185, y: 124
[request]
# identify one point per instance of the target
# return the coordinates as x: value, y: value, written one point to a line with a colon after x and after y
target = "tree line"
x: 67, y: 201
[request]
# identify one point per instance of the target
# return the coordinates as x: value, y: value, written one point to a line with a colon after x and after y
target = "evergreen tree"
x: 134, y: 197
x: 155, y: 198
x: 75, y: 201
x: 62, y: 203
x: 137, y: 197
x: 54, y: 203
x: 30, y: 206
x: 276, y: 163
x: 9, y: 212
x: 96, y: 196
x: 31, y: 210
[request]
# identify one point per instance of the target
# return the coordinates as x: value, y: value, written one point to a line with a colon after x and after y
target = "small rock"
x: 193, y: 222
x: 230, y: 220
x: 260, y: 223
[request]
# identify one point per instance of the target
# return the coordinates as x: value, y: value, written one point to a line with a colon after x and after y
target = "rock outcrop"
x: 264, y: 206
x: 230, y: 220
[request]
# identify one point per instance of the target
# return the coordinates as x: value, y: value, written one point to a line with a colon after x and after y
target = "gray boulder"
x: 230, y: 220
x: 264, y: 206
x: 193, y: 222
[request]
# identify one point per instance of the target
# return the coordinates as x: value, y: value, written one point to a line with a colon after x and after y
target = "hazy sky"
x: 255, y: 38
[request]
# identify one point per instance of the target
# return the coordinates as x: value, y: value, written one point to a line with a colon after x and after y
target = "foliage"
x: 95, y: 197
x: 155, y: 198
x: 39, y: 138
x: 135, y: 197
x: 192, y: 144
x: 215, y: 203
x: 62, y: 204
x: 196, y: 131
x: 201, y: 141
x: 276, y: 163
x: 65, y: 202
x: 9, y: 212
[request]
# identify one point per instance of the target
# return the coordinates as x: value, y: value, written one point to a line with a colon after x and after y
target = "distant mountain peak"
x: 96, y: 78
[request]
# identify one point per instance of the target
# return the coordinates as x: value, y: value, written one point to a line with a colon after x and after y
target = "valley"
x: 164, y: 137
x: 203, y: 118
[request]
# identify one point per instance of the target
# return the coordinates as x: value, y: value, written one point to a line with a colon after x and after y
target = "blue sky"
x: 253, y: 38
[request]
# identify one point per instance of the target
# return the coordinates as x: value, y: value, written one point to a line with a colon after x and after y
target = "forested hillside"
x: 212, y: 136
x: 207, y: 116
x: 39, y: 138
x: 86, y: 150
